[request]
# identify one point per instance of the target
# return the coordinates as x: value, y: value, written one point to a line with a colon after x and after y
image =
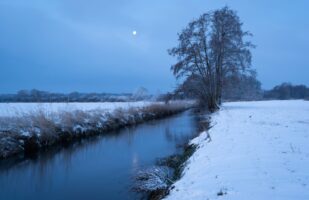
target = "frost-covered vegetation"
x: 15, y: 109
x: 31, y: 131
x: 153, y: 179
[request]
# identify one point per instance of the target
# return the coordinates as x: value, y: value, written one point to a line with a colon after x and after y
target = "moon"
x: 134, y: 33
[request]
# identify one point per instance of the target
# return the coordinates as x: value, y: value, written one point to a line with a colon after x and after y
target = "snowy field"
x: 258, y: 150
x: 13, y: 109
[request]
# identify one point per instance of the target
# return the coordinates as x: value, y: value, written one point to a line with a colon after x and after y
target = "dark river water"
x: 98, y: 168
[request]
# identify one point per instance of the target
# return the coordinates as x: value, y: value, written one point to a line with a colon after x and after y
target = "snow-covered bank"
x: 258, y: 150
x: 13, y: 109
x: 28, y: 132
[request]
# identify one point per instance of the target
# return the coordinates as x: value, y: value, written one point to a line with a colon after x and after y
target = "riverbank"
x: 254, y: 150
x: 155, y: 182
x: 30, y: 132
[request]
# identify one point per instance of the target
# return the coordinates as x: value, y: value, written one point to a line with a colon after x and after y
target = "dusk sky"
x: 88, y: 46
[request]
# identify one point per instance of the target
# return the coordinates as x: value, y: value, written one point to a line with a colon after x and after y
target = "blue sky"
x: 88, y: 46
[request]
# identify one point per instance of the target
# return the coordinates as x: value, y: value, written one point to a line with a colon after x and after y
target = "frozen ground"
x: 258, y: 150
x: 13, y: 109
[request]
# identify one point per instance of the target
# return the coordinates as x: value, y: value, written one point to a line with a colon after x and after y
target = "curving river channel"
x: 102, y: 167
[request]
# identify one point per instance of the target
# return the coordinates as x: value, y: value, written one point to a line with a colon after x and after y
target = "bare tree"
x: 210, y: 48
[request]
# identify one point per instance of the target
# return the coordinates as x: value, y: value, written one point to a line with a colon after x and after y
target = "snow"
x: 258, y: 150
x: 13, y: 109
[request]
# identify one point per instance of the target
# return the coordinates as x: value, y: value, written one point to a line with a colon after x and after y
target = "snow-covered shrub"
x: 153, y: 179
x: 177, y: 161
x: 43, y: 126
x: 73, y: 122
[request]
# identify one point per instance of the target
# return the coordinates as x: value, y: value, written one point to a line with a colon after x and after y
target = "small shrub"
x: 43, y: 126
x: 177, y: 162
x: 152, y: 179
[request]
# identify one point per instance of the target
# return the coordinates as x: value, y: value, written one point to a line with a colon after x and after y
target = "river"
x: 101, y: 167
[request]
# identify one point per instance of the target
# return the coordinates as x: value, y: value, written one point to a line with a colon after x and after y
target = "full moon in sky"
x: 134, y: 33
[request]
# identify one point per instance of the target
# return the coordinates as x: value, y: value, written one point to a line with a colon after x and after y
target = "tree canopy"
x: 211, y: 49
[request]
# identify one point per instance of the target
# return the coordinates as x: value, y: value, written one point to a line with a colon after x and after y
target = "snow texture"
x: 258, y: 150
x: 13, y: 109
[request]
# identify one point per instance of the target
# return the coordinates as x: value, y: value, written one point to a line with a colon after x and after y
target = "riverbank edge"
x: 12, y: 143
x: 178, y: 162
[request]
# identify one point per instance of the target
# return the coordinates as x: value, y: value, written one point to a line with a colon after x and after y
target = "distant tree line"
x: 287, y: 91
x: 43, y: 96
